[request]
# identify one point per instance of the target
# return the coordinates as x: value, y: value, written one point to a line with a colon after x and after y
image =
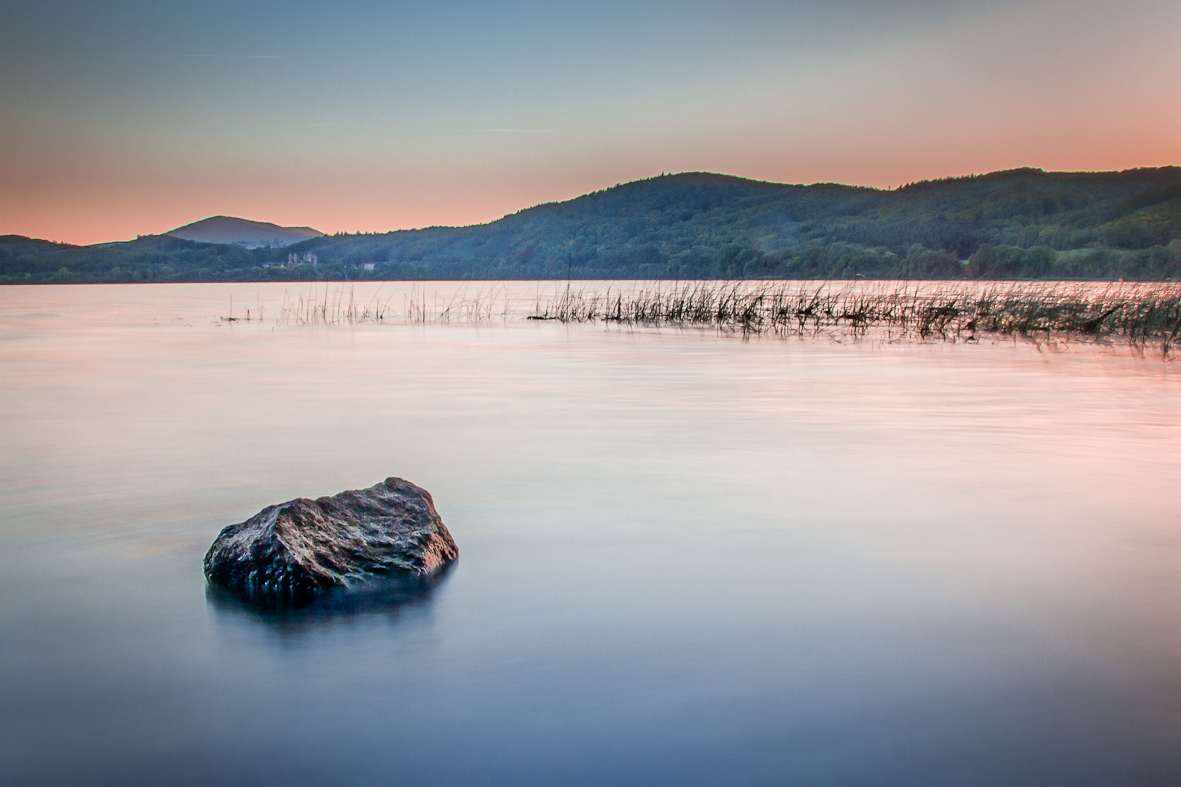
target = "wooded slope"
x: 1017, y: 224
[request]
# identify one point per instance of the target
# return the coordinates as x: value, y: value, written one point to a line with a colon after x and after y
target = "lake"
x: 686, y: 557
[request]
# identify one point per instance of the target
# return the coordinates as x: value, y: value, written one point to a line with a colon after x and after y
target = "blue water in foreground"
x: 685, y: 558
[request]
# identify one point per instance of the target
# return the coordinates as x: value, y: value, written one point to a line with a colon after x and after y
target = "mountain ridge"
x: 244, y: 232
x: 1012, y: 224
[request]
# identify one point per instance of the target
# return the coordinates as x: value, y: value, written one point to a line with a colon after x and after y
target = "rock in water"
x: 292, y: 552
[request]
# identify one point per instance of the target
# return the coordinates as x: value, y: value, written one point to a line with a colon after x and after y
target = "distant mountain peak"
x: 252, y: 234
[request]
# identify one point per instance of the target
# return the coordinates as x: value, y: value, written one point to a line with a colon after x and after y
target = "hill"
x: 228, y: 229
x: 1017, y: 224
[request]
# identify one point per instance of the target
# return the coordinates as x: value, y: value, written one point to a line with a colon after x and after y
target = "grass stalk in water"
x: 1137, y: 314
x: 1140, y: 315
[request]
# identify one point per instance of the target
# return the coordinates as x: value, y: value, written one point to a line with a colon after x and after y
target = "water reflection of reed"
x: 1138, y: 314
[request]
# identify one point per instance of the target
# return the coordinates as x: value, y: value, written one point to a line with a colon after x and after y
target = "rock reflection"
x: 390, y: 597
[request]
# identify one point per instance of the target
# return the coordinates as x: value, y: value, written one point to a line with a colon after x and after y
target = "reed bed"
x: 1136, y: 314
x: 341, y: 307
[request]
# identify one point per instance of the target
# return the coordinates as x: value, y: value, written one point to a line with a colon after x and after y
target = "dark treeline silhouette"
x: 1017, y: 224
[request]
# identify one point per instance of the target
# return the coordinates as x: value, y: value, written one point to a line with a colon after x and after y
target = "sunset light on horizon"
x: 138, y: 118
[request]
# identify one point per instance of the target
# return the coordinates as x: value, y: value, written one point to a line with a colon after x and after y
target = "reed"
x: 1140, y: 315
x: 340, y: 307
x: 1136, y: 314
x: 337, y: 307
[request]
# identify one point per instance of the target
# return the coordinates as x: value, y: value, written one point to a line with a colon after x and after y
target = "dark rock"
x: 293, y: 552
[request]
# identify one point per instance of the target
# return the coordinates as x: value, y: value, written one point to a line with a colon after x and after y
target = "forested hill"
x: 1018, y: 224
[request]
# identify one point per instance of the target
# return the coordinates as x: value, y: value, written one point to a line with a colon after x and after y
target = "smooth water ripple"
x: 686, y: 558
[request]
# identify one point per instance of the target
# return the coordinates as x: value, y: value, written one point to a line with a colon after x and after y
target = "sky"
x: 123, y: 118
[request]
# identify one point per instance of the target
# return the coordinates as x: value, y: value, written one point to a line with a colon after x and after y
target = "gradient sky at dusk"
x: 124, y: 118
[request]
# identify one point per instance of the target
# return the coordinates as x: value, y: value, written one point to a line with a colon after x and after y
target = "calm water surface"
x: 685, y: 558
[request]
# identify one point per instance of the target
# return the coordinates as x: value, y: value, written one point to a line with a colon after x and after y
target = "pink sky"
x: 99, y: 148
